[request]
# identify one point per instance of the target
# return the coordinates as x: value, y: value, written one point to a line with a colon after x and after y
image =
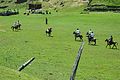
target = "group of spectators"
x: 9, y: 12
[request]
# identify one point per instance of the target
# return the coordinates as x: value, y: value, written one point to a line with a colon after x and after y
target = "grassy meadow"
x: 55, y: 56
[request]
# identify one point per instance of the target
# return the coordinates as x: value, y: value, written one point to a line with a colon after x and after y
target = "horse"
x: 48, y: 32
x: 78, y: 36
x: 90, y: 39
x: 16, y: 27
x: 114, y: 43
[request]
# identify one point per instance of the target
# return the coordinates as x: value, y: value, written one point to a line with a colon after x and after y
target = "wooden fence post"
x: 25, y: 64
x: 72, y: 77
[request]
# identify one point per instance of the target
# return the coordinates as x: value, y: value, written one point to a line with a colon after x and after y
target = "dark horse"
x: 90, y: 39
x: 78, y: 36
x: 48, y: 32
x: 16, y: 27
x: 111, y: 43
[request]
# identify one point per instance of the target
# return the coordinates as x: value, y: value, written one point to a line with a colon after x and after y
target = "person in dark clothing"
x: 111, y: 39
x: 46, y: 20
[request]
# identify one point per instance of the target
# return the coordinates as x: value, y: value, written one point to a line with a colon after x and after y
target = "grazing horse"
x: 48, y: 32
x: 90, y: 39
x: 77, y: 35
x: 111, y: 43
x: 16, y: 27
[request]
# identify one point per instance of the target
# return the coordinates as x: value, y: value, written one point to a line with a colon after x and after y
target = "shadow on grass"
x: 93, y: 44
x: 113, y: 48
x: 78, y: 40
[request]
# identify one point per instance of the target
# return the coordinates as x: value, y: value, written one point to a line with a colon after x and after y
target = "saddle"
x: 77, y: 34
x: 92, y: 38
x: 111, y: 42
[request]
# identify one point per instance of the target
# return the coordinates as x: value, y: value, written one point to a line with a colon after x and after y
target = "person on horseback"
x: 92, y: 35
x: 78, y: 32
x: 18, y: 24
x: 14, y: 24
x: 111, y: 39
x: 48, y: 31
x: 90, y: 31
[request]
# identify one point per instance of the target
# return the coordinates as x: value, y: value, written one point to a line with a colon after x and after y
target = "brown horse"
x: 114, y: 43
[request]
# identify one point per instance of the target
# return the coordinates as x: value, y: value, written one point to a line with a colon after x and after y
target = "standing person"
x: 46, y: 20
x: 77, y: 31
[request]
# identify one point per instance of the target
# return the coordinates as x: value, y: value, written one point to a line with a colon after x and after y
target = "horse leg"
x: 16, y: 30
x: 114, y: 45
x: 75, y: 38
x: 109, y: 46
x: 49, y: 34
x: 95, y: 42
x: 12, y: 28
x: 81, y: 38
x: 106, y: 45
x: 18, y: 27
x: 89, y: 41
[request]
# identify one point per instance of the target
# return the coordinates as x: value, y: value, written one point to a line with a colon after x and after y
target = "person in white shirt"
x: 14, y: 24
x: 90, y: 31
x: 92, y: 35
x: 77, y: 31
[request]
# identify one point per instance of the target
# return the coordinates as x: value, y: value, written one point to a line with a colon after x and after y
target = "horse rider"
x: 18, y: 22
x: 48, y: 29
x: 92, y: 35
x: 90, y: 31
x: 111, y: 39
x: 78, y: 32
x: 14, y: 24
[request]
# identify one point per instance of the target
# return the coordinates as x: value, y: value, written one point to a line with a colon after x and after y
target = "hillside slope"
x: 107, y: 2
x: 47, y: 3
x: 9, y: 74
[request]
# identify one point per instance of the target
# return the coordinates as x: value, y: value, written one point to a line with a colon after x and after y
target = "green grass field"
x: 55, y: 56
